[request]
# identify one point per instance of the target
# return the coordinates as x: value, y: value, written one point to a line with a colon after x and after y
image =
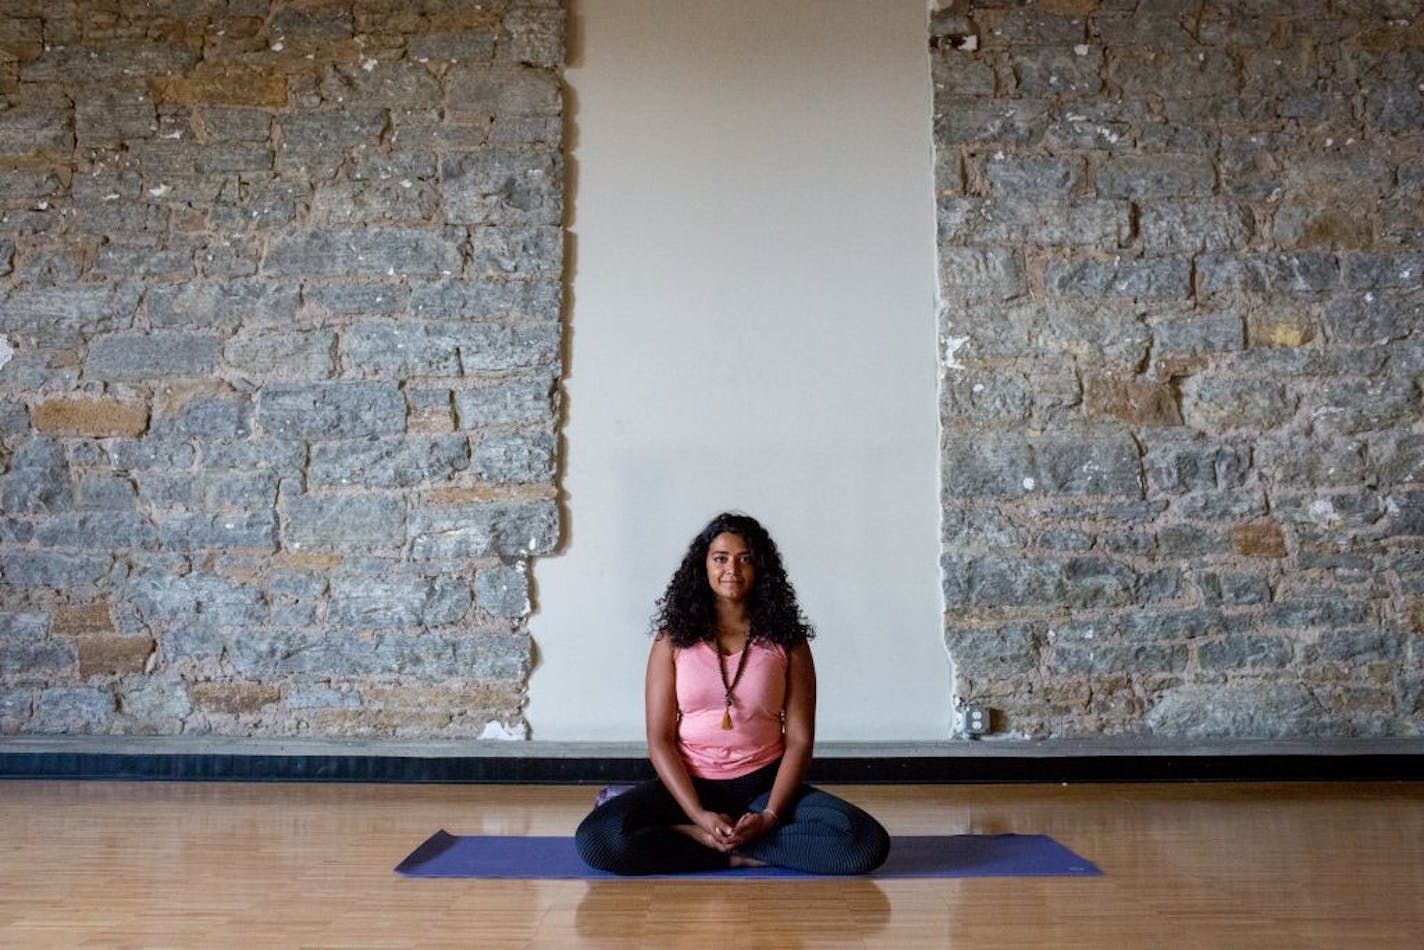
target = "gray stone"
x: 55, y: 569
x: 488, y: 300
x: 1185, y: 540
x: 503, y: 591
x: 1221, y: 505
x: 1300, y: 614
x: 987, y: 465
x: 356, y: 523
x: 375, y: 252
x: 153, y: 705
x: 105, y: 493
x: 16, y: 626
x: 1172, y: 225
x: 1150, y: 278
x: 1364, y: 406
x: 1100, y: 658
x: 1261, y: 709
x: 233, y: 529
x: 1295, y: 273
x: 328, y: 133
x: 1012, y: 648
x: 976, y: 525
x: 1060, y: 72
x: 960, y: 120
x: 446, y: 349
x: 37, y: 663
x: 479, y: 92
x: 16, y: 707
x: 357, y: 299
x: 279, y: 456
x: 1156, y: 176
x: 221, y: 305
x: 141, y: 356
x: 507, y: 251
x: 989, y: 581
x: 73, y: 709
x: 373, y: 603
x: 1373, y: 317
x: 190, y: 644
x: 1088, y: 465
x: 503, y: 186
x: 1239, y: 651
x: 1012, y: 220
x: 993, y: 272
x: 520, y: 400
x: 319, y: 697
x: 341, y: 410
x: 300, y: 355
x: 1173, y: 625
x: 398, y: 85
x: 461, y: 531
x: 1217, y: 403
x: 63, y: 314
x: 520, y: 458
x: 1185, y: 336
x: 387, y: 463
x: 107, y: 530
x: 1370, y: 645
x: 1033, y: 175
x: 1234, y: 589
x: 1092, y: 330
x: 38, y: 480
x: 197, y: 600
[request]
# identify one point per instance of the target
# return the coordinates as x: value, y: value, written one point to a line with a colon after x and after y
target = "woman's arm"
x: 800, y: 739
x: 660, y: 712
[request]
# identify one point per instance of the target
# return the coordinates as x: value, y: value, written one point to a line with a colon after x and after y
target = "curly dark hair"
x: 687, y: 611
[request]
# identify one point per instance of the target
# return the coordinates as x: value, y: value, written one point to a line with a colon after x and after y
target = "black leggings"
x: 819, y: 833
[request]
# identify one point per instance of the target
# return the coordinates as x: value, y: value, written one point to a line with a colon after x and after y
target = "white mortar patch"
x: 6, y: 351
x: 494, y: 729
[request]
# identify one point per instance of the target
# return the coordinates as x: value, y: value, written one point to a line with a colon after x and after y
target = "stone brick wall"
x: 280, y: 342
x: 1181, y: 247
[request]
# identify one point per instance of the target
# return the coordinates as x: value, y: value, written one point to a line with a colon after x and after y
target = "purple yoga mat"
x: 484, y: 856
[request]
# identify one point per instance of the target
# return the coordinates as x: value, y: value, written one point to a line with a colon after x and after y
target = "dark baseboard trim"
x: 929, y: 769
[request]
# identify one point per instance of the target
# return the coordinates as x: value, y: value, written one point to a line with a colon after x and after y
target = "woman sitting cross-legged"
x: 731, y: 708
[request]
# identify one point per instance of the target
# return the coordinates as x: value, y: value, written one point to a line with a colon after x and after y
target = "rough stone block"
x: 503, y: 186
x: 1150, y: 278
x: 99, y: 418
x: 1156, y: 176
x: 447, y: 349
x: 221, y: 86
x: 1294, y: 273
x: 1218, y: 403
x: 465, y: 530
x: 55, y: 569
x: 197, y: 600
x: 488, y: 300
x: 73, y: 709
x: 963, y: 120
x: 1086, y: 464
x: 339, y: 410
x: 1174, y: 225
x: 484, y: 92
x: 299, y: 355
x: 140, y: 356
x: 407, y: 85
x: 1373, y: 317
x: 1240, y: 651
x: 993, y: 272
x: 374, y: 603
x: 375, y: 252
x: 221, y: 305
x: 987, y: 465
x: 387, y: 463
x: 1091, y: 330
x: 113, y: 113
x: 521, y: 457
x: 520, y: 400
x: 353, y: 523
x: 357, y: 299
x: 221, y: 531
x: 503, y: 591
x: 64, y: 314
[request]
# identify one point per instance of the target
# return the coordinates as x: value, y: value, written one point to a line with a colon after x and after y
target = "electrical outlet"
x: 976, y: 721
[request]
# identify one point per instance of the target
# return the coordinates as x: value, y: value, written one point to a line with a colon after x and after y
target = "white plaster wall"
x: 752, y: 327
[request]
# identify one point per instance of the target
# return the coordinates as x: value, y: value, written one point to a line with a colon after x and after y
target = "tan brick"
x: 234, y: 697
x: 315, y: 562
x: 1260, y: 539
x: 224, y: 86
x: 1275, y: 331
x: 81, y: 619
x: 104, y: 655
x: 1414, y: 615
x: 1138, y: 401
x: 91, y: 417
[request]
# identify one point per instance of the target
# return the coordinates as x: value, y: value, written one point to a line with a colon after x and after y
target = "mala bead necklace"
x: 736, y: 678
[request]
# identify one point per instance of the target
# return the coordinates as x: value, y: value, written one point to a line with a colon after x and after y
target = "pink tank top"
x: 755, y: 738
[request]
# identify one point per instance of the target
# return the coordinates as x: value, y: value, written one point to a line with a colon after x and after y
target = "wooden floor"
x: 194, y: 865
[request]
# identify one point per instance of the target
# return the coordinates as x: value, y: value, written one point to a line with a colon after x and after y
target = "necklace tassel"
x: 727, y: 717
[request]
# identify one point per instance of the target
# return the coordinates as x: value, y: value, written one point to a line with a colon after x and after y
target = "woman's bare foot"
x: 742, y: 861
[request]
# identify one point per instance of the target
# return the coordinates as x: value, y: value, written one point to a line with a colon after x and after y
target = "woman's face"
x: 729, y: 567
